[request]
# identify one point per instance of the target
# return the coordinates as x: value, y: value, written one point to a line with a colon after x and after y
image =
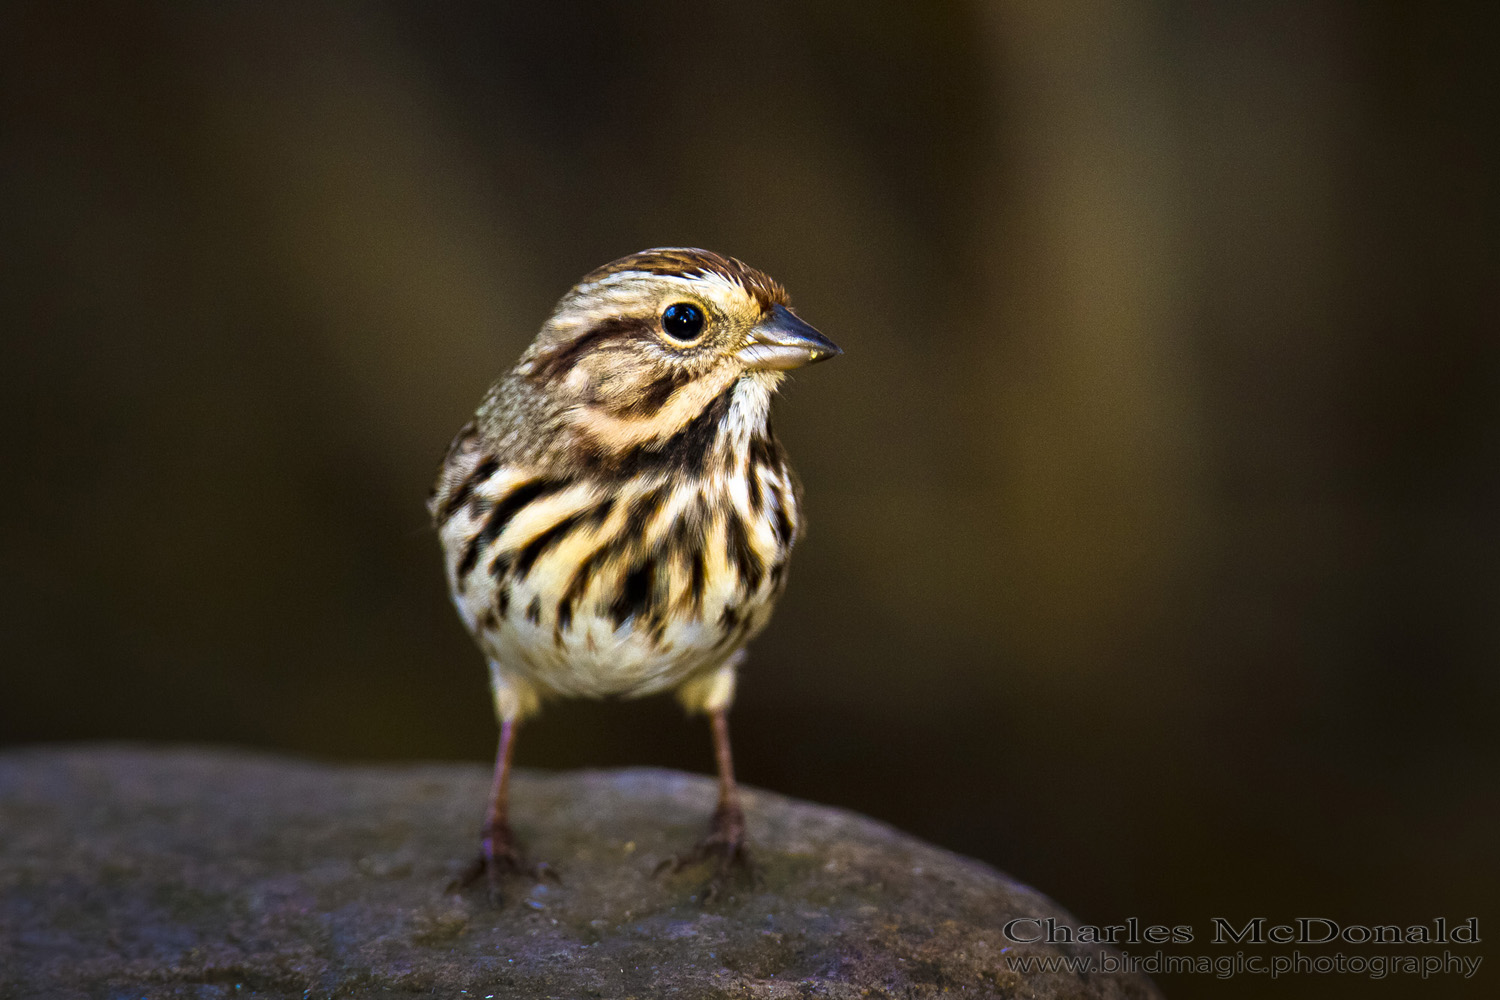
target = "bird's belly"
x: 595, y: 658
x: 592, y: 650
x: 625, y: 591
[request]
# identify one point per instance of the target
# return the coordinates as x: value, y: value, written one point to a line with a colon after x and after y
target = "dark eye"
x: 682, y: 321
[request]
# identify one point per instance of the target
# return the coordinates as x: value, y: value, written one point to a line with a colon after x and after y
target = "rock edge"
x: 130, y: 871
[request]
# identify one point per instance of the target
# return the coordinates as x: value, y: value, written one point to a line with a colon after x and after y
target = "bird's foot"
x: 499, y: 856
x: 724, y: 846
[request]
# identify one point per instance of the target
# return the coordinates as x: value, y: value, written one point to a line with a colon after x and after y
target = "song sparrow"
x: 617, y: 517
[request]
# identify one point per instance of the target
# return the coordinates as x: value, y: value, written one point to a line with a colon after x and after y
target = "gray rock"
x: 128, y: 872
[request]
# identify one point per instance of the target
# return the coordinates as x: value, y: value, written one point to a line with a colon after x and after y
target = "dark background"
x: 1153, y: 504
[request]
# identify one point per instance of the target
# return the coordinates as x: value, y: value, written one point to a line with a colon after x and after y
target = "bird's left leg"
x: 726, y: 835
x: 725, y: 841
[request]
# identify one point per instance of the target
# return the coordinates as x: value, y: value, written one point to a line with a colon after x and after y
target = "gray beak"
x: 782, y: 341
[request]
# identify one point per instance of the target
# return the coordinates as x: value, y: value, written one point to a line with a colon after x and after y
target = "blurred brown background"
x: 1153, y: 502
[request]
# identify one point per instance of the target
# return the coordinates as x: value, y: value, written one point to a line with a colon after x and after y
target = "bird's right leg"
x: 499, y: 853
x: 498, y: 844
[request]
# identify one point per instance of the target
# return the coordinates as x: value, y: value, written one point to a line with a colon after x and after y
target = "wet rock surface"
x: 130, y: 872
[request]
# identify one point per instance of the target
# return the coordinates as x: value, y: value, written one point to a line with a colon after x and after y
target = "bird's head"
x: 641, y: 346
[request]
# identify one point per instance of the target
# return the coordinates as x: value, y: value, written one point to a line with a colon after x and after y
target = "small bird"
x: 616, y: 520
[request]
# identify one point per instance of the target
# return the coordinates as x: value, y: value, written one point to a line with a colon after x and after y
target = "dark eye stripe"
x: 559, y: 362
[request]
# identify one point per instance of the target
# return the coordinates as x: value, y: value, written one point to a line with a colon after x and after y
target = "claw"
x: 724, y: 844
x: 499, y: 856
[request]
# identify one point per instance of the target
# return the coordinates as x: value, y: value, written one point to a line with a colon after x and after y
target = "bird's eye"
x: 682, y: 321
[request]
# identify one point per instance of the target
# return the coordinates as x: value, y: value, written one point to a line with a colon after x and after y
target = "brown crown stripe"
x: 689, y: 262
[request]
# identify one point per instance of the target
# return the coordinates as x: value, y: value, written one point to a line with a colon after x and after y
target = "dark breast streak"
x: 640, y: 570
x: 685, y: 453
x: 449, y: 505
x: 499, y: 516
x: 465, y: 443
